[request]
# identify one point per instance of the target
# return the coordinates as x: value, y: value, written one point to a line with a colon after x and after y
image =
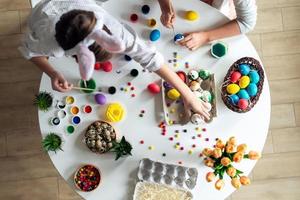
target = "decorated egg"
x: 197, y: 119
x: 243, y: 94
x: 243, y: 104
x: 191, y: 15
x: 154, y: 35
x: 233, y: 88
x: 244, y: 69
x: 235, y: 77
x: 254, y: 77
x: 234, y: 99
x: 193, y: 75
x: 181, y: 75
x: 100, y: 99
x: 153, y: 88
x: 207, y: 106
x: 252, y: 89
x: 197, y: 94
x: 194, y: 85
x: 206, y: 96
x: 167, y: 85
x: 173, y: 94
x: 244, y: 81
x: 204, y: 74
x: 178, y: 37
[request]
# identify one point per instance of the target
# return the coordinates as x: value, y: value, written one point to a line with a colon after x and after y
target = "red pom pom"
x: 97, y: 66
x: 235, y: 76
x: 154, y: 88
x: 106, y: 66
x: 243, y: 104
x: 181, y: 75
x: 134, y: 17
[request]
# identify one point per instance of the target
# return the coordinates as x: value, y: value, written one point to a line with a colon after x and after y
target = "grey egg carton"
x: 169, y: 174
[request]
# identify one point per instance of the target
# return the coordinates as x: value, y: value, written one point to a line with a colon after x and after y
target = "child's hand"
x: 197, y: 106
x: 168, y: 15
x: 59, y: 83
x: 194, y: 40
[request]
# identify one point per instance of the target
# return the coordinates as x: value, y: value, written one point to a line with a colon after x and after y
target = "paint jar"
x: 70, y: 129
x: 55, y: 121
x: 76, y: 120
x: 74, y: 110
x: 87, y: 109
x: 61, y: 114
x: 60, y: 105
x: 69, y: 100
x: 151, y: 23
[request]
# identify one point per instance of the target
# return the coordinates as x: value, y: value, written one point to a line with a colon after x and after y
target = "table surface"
x: 119, y: 177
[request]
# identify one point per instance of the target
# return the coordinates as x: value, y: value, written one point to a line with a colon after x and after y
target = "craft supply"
x: 100, y: 99
x: 87, y: 109
x: 134, y: 72
x: 151, y: 22
x: 115, y: 112
x: 61, y: 114
x: 87, y: 178
x: 204, y: 74
x: 76, y: 120
x: 154, y: 35
x: 69, y: 100
x: 219, y: 49
x: 178, y: 37
x: 197, y: 119
x: 55, y: 121
x: 134, y: 18
x: 91, y: 85
x: 82, y: 88
x: 112, y: 90
x: 191, y: 15
x: 74, y: 110
x: 173, y: 94
x: 70, y: 129
x: 193, y: 75
x: 60, y: 105
x: 145, y: 9
x: 106, y: 66
x: 97, y: 66
x: 127, y: 58
x: 153, y: 88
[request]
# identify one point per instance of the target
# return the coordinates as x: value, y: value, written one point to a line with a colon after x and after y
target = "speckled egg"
x: 252, y: 89
x: 243, y: 94
x: 244, y: 82
x: 204, y: 74
x: 254, y: 77
x: 194, y: 85
x: 243, y: 104
x: 197, y: 119
x: 235, y: 77
x: 234, y: 99
x: 233, y: 88
x: 244, y: 69
x: 193, y: 75
x: 206, y: 96
x: 173, y: 94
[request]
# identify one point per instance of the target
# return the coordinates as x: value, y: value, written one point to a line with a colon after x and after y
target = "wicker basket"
x: 254, y: 65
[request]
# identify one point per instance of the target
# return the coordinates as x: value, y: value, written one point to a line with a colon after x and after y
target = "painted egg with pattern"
x: 254, y: 77
x: 233, y: 88
x: 181, y: 75
x: 244, y: 82
x: 206, y: 96
x: 195, y: 85
x: 244, y: 69
x: 252, y: 89
x: 243, y: 94
x: 193, y: 75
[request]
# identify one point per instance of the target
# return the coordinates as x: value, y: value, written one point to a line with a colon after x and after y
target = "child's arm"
x: 167, y: 13
x: 191, y: 102
x: 58, y: 81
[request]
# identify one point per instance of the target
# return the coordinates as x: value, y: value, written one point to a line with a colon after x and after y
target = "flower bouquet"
x: 221, y: 159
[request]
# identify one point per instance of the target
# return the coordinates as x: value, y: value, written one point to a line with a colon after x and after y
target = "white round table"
x: 119, y: 177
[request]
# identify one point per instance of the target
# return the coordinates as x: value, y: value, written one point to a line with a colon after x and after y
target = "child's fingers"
x: 184, y: 41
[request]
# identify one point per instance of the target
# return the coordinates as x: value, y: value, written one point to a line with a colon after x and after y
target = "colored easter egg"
x: 243, y: 104
x: 204, y: 74
x: 197, y: 119
x: 244, y: 82
x: 181, y: 75
x: 252, y: 89
x: 154, y: 35
x: 193, y: 75
x: 167, y: 85
x: 151, y: 22
x: 234, y: 99
x: 194, y: 85
x: 106, y: 66
x: 153, y: 88
x: 243, y: 94
x: 100, y: 99
x: 178, y: 37
x: 254, y: 77
x: 233, y: 88
x: 235, y: 77
x: 173, y: 94
x: 244, y: 69
x: 206, y: 96
x: 197, y: 94
x: 191, y: 15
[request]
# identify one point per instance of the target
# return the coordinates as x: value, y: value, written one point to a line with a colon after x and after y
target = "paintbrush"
x: 81, y: 88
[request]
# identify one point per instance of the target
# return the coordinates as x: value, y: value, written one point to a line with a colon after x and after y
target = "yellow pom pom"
x: 173, y: 94
x: 115, y: 112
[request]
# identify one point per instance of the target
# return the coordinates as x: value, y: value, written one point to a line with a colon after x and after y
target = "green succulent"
x: 43, y: 101
x: 121, y: 148
x: 52, y: 142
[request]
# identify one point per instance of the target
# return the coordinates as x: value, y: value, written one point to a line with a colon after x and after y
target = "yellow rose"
x: 253, y: 155
x: 220, y: 144
x: 242, y: 148
x: 207, y: 152
x: 217, y: 153
x: 209, y: 162
x: 238, y: 157
x: 210, y: 176
x: 219, y: 184
x: 231, y: 171
x: 230, y: 148
x: 225, y: 161
x: 232, y: 141
x: 244, y: 180
x: 235, y: 182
